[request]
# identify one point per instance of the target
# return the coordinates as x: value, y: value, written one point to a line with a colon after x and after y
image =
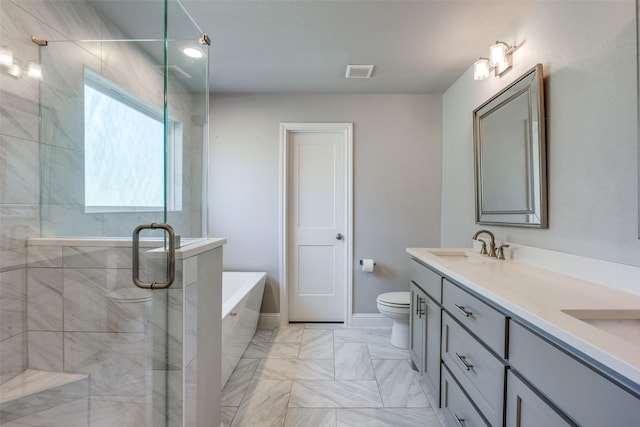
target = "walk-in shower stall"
x: 104, y: 127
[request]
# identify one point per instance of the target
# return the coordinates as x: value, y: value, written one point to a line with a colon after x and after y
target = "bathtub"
x: 241, y: 300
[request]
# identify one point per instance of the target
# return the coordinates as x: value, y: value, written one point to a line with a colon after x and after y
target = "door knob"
x: 339, y: 236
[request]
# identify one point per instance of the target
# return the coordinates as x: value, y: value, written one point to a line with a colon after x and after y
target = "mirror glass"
x: 510, y: 155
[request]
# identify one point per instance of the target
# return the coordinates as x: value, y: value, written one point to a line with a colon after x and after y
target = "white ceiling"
x: 419, y: 46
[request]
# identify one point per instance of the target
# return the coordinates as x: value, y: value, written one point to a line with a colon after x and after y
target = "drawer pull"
x: 459, y: 420
x: 462, y: 310
x: 466, y: 364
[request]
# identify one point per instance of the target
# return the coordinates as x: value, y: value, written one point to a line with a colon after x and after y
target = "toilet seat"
x: 394, y: 299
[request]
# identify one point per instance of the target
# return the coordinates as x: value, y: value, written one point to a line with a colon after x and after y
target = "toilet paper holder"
x: 361, y: 262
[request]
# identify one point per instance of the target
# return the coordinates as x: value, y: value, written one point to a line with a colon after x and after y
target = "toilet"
x: 395, y: 305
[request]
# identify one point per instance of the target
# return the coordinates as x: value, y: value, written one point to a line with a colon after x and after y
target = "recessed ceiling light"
x: 192, y: 52
x: 359, y: 71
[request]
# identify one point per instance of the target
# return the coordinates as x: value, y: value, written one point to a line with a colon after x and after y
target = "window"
x: 124, y: 151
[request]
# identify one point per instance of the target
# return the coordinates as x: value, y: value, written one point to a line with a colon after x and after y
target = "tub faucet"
x: 492, y: 243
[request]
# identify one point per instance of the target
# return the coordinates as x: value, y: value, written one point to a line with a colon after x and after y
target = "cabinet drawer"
x: 478, y: 371
x: 483, y: 320
x: 429, y: 281
x: 526, y: 409
x: 583, y: 394
x: 457, y: 406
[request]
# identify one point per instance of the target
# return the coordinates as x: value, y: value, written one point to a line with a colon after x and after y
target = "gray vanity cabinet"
x: 432, y: 352
x: 585, y: 395
x: 424, y: 325
x: 417, y: 326
x: 479, y: 372
x: 458, y: 409
x: 525, y: 407
x: 492, y: 368
x: 473, y: 349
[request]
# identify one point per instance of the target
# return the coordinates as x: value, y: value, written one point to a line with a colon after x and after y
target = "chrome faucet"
x: 492, y: 243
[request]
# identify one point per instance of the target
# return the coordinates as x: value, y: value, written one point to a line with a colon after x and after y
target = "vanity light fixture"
x: 500, y: 61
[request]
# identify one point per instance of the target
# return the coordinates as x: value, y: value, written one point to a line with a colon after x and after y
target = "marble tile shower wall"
x: 35, y: 166
x: 84, y: 315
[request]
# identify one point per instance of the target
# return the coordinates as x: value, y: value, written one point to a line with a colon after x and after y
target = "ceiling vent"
x: 359, y: 71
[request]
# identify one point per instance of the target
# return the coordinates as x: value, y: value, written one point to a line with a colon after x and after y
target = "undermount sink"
x: 461, y: 255
x: 624, y: 324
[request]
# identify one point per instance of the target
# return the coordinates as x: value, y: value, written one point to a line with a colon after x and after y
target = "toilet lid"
x: 395, y: 298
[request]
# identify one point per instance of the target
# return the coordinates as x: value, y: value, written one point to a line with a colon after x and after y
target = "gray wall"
x: 588, y: 53
x: 397, y: 181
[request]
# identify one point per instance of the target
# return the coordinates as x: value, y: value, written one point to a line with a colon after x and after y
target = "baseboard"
x: 269, y: 320
x: 358, y: 320
x: 370, y: 320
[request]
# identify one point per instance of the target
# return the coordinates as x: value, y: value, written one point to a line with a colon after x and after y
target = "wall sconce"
x: 500, y: 61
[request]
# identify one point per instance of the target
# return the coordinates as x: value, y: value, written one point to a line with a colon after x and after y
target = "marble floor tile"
x: 291, y: 333
x: 262, y: 335
x: 306, y: 417
x: 268, y: 350
x: 353, y: 362
x: 324, y: 326
x: 335, y: 377
x: 264, y: 404
x: 408, y: 417
x: 386, y: 351
x: 295, y: 369
x: 335, y: 394
x: 366, y: 335
x: 399, y: 385
x: 316, y: 344
x: 236, y: 386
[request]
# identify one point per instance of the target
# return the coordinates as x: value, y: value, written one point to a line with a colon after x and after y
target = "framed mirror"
x: 510, y: 155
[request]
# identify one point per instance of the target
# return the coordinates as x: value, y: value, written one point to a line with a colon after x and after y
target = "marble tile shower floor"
x: 318, y: 375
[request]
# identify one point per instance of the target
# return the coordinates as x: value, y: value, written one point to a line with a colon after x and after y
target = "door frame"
x: 286, y: 129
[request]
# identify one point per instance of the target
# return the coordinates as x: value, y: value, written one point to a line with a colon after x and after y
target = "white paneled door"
x: 317, y: 225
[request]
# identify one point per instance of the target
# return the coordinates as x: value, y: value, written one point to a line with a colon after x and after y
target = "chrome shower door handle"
x: 171, y: 257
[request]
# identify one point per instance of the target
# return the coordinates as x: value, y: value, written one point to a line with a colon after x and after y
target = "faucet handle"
x: 500, y: 254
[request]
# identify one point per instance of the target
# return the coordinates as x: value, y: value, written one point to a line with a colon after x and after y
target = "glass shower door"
x: 124, y: 120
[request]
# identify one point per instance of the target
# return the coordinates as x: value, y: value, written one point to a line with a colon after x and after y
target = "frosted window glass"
x: 124, y: 151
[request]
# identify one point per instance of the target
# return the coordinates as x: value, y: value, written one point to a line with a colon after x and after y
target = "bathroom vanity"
x: 508, y: 343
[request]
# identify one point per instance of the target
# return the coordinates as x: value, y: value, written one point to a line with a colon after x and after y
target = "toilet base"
x: 400, y: 335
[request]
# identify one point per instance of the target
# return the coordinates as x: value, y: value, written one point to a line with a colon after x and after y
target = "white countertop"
x: 538, y: 296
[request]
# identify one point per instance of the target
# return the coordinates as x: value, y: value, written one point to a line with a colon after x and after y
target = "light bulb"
x: 6, y: 57
x: 498, y: 54
x: 192, y: 52
x: 481, y: 69
x: 15, y: 70
x: 34, y: 70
